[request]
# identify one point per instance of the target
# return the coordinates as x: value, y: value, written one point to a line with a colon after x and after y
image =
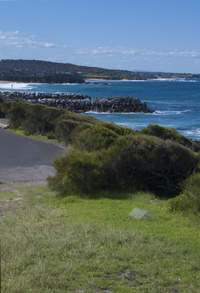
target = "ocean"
x: 176, y: 101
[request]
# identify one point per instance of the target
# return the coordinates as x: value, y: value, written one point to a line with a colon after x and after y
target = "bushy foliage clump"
x: 147, y: 161
x: 31, y: 118
x: 100, y: 136
x: 2, y: 115
x: 78, y: 171
x: 15, y: 112
x: 69, y: 125
x: 170, y: 133
x: 132, y: 162
x: 189, y: 199
x: 40, y: 119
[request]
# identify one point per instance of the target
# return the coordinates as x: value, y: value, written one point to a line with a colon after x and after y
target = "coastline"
x: 7, y: 81
x: 95, y: 80
x: 170, y: 110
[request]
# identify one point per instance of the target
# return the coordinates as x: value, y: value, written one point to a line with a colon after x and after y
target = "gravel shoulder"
x: 24, y: 162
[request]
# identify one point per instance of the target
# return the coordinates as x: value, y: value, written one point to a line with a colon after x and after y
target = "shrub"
x: 31, y: 118
x: 15, y: 111
x: 56, y: 123
x: 170, y: 133
x: 69, y: 125
x: 189, y: 200
x: 40, y: 119
x: 77, y: 171
x: 131, y: 163
x: 2, y: 115
x: 119, y: 130
x: 100, y: 136
x: 148, y: 162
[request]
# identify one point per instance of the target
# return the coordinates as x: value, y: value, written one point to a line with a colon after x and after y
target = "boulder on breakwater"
x: 79, y: 103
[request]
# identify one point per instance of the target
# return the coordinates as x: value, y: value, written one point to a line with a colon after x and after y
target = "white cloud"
x: 128, y: 51
x: 174, y: 53
x: 16, y: 39
x: 48, y: 45
x: 107, y: 50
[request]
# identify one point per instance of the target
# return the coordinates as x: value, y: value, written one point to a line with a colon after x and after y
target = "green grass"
x: 35, y: 136
x: 70, y: 244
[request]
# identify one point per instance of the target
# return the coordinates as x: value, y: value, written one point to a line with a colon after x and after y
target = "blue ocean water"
x: 176, y: 101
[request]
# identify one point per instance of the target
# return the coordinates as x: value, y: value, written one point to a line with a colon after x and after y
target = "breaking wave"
x: 15, y: 86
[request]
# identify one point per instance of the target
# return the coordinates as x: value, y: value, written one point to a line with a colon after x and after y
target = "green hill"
x: 45, y: 67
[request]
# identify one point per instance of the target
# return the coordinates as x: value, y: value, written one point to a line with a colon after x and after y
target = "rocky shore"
x: 79, y: 103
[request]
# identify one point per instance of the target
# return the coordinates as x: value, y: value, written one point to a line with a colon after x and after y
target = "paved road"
x: 25, y: 159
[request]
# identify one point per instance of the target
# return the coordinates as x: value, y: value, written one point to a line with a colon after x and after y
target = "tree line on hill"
x: 55, y: 78
x: 87, y: 72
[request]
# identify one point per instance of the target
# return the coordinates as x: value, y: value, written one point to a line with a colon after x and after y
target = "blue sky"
x: 150, y: 35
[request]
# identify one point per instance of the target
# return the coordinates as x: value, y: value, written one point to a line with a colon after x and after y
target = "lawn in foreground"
x: 92, y: 245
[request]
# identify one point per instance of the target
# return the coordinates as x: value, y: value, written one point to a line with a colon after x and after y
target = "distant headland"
x: 36, y: 71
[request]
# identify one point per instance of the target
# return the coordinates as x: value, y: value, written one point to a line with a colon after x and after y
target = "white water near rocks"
x: 176, y: 101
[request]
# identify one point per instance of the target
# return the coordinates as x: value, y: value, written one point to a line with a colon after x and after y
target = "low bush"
x: 170, y: 133
x: 40, y: 119
x: 133, y: 162
x: 2, y: 115
x: 69, y: 125
x: 78, y: 171
x: 146, y: 162
x: 31, y: 118
x: 15, y: 112
x: 189, y: 199
x: 100, y: 136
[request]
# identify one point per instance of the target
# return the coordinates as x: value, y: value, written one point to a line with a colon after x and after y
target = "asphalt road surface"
x: 25, y: 159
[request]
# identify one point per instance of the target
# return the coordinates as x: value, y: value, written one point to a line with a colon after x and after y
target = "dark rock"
x: 80, y: 103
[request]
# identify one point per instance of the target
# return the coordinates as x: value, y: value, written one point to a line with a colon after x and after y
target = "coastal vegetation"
x: 42, y: 120
x: 170, y: 133
x: 49, y: 78
x: 130, y: 163
x: 105, y: 156
x: 189, y: 200
x: 48, y: 70
x: 2, y: 115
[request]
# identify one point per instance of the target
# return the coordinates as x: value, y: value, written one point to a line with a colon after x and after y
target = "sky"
x: 145, y: 35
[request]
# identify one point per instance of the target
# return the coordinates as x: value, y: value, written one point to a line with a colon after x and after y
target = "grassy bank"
x: 35, y: 136
x: 92, y: 245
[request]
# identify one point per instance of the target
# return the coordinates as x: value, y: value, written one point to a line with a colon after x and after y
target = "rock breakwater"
x: 79, y: 103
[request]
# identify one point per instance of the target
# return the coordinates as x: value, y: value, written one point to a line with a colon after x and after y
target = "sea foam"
x: 166, y: 113
x: 173, y: 79
x: 15, y: 86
